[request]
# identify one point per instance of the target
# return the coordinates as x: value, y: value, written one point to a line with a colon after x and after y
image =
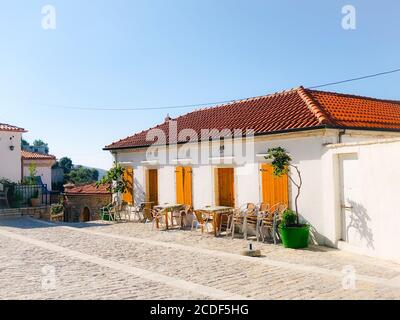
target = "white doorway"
x: 351, y: 209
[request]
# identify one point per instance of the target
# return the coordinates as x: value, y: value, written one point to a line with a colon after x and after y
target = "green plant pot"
x: 295, y: 237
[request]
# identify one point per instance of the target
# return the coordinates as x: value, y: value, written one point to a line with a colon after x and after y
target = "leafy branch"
x: 281, y: 162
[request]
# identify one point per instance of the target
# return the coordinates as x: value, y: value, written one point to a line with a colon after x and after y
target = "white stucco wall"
x: 10, y: 161
x: 379, y: 183
x: 43, y: 170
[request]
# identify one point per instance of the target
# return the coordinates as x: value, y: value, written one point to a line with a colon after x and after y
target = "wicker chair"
x: 270, y: 221
x: 182, y: 214
x: 200, y: 219
x: 239, y: 218
x: 158, y: 216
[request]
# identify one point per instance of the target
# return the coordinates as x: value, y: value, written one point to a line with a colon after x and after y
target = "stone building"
x: 83, y: 203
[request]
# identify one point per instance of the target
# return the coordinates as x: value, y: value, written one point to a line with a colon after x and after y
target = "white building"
x: 15, y: 163
x: 348, y: 182
x: 42, y: 163
x: 10, y: 152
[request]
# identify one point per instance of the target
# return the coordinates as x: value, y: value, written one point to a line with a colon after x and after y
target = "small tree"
x: 281, y: 162
x: 115, y: 178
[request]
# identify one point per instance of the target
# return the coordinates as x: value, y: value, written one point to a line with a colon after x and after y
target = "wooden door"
x: 152, y: 186
x: 183, y: 185
x: 274, y: 189
x: 128, y: 178
x: 226, y: 190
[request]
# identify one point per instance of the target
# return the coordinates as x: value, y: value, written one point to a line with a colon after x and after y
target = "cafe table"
x: 216, y: 212
x: 168, y: 208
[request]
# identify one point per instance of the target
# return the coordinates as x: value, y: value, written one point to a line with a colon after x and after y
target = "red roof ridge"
x: 36, y: 155
x: 349, y: 95
x: 314, y: 106
x: 220, y: 105
x: 9, y: 127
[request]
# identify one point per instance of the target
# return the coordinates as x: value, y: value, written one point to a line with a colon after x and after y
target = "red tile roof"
x: 26, y: 155
x: 89, y: 189
x: 296, y: 109
x: 8, y: 127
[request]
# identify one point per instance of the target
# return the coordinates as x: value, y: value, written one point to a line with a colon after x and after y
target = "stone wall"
x: 85, y: 207
x: 34, y: 212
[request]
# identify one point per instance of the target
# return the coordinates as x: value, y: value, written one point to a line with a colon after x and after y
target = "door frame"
x: 340, y: 196
x: 147, y: 180
x: 216, y: 183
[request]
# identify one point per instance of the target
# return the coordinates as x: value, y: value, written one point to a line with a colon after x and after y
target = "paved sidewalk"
x: 129, y: 261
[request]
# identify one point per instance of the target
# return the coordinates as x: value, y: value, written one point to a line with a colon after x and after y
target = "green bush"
x: 289, y: 218
x: 57, y: 208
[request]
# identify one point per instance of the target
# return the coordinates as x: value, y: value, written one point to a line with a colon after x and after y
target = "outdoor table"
x: 217, y: 212
x: 169, y: 208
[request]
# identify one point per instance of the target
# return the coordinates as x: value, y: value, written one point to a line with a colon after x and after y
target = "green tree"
x: 65, y: 163
x: 115, y: 179
x: 39, y: 143
x: 81, y: 175
x: 281, y: 162
x: 24, y: 143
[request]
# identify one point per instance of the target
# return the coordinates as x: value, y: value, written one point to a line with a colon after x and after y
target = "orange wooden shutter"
x: 179, y: 185
x: 128, y: 194
x: 187, y: 185
x: 274, y: 189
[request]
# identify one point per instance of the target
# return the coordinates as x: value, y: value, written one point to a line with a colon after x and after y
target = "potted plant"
x: 293, y: 233
x: 34, y: 200
x: 57, y: 212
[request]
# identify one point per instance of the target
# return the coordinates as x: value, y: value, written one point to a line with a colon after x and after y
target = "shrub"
x: 289, y: 218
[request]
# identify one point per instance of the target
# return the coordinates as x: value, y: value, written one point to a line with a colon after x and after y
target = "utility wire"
x: 355, y: 79
x: 207, y: 103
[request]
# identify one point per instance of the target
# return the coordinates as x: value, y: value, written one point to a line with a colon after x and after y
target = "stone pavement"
x: 41, y: 260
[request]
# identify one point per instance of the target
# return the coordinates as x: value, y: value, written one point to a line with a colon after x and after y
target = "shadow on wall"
x: 139, y: 193
x: 358, y: 220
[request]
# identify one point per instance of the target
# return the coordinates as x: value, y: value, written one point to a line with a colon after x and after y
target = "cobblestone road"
x: 129, y: 261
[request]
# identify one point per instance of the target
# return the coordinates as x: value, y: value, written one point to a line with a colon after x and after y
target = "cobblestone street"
x: 129, y: 261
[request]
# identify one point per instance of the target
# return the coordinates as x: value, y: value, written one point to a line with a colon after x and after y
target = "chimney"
x: 168, y: 118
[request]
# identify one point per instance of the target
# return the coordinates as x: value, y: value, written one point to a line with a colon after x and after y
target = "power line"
x: 355, y: 79
x: 203, y: 104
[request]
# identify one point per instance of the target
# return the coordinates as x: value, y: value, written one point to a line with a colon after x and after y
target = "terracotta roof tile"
x: 295, y: 109
x: 26, y: 155
x: 88, y: 189
x: 8, y: 127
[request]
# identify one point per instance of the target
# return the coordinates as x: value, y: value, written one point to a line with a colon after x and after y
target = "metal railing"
x: 31, y: 196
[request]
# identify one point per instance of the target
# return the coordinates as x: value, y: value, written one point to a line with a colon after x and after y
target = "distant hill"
x: 102, y: 172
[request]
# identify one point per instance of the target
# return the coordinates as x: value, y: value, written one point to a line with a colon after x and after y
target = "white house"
x: 42, y: 163
x: 10, y: 152
x: 338, y: 141
x: 15, y: 163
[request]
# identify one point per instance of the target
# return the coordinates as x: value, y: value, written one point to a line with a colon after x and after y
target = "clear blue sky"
x: 161, y: 53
